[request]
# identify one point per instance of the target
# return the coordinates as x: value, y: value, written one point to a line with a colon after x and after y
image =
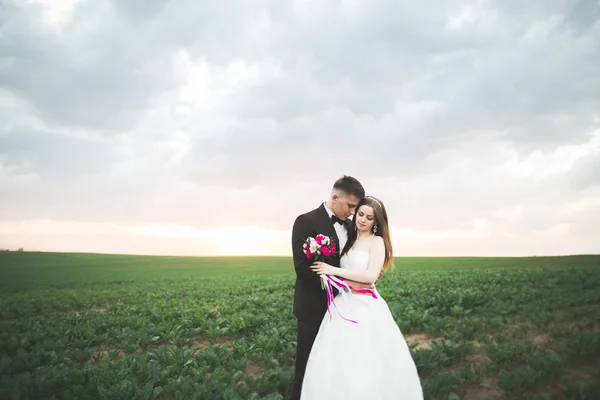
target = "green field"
x: 85, y: 326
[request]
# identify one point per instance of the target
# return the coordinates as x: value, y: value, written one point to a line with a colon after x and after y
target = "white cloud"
x: 558, y: 162
x: 56, y: 13
x: 476, y: 121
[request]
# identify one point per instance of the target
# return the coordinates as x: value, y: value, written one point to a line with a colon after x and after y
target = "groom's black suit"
x: 310, y: 301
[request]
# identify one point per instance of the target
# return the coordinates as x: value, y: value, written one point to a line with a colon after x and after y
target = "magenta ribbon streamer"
x: 332, y: 281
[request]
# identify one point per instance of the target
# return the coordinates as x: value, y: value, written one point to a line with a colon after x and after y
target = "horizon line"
x: 281, y: 256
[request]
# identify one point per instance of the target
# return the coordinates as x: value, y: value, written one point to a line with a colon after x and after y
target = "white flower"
x: 314, y: 246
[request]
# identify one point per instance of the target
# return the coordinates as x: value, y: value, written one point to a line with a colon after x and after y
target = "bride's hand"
x: 322, y: 269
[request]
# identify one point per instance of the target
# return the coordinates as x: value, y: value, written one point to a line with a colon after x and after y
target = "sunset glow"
x: 481, y: 239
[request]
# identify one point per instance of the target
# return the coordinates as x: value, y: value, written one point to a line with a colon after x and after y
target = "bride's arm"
x: 359, y: 285
x: 370, y: 275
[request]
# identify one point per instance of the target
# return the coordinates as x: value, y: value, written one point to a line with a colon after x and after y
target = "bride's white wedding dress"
x: 367, y: 360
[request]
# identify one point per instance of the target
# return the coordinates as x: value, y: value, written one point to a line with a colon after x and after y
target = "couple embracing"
x: 348, y: 346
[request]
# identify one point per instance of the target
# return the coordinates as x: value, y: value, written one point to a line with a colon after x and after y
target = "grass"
x: 145, y: 327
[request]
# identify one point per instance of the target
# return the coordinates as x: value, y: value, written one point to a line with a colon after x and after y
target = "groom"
x: 310, y: 302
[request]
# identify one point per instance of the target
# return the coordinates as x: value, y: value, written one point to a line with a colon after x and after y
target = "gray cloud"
x: 53, y: 156
x: 586, y: 173
x: 98, y: 74
x: 139, y: 11
x: 206, y: 114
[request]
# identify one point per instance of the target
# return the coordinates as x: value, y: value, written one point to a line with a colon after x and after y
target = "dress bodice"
x: 355, y: 260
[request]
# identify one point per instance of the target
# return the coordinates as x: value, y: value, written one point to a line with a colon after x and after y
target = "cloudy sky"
x: 206, y: 127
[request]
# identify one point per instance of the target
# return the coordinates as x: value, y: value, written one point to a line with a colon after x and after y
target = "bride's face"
x: 365, y: 218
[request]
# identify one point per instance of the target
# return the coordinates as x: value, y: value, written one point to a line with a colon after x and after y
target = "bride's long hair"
x: 383, y: 229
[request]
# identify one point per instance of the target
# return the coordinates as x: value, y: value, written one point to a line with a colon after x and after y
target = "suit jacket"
x: 310, y: 300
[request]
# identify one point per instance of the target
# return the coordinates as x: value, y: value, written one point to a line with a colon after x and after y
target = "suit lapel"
x: 349, y: 228
x: 325, y: 225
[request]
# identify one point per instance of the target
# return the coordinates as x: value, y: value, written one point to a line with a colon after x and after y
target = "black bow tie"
x: 335, y: 219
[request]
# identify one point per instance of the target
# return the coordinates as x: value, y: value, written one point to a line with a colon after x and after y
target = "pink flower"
x: 318, y: 247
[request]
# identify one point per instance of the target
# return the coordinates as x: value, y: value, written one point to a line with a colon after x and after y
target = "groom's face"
x: 345, y: 206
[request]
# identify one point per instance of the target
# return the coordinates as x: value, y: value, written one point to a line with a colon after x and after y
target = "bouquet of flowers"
x: 319, y: 247
x: 322, y: 246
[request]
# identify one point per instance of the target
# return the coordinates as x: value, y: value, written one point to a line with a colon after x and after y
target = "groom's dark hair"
x: 350, y: 186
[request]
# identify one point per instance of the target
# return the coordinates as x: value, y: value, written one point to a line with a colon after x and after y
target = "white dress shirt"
x: 340, y: 229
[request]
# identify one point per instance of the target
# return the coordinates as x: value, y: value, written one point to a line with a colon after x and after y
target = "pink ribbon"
x: 332, y: 281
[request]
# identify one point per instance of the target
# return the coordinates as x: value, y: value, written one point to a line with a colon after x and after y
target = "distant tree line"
x: 20, y: 249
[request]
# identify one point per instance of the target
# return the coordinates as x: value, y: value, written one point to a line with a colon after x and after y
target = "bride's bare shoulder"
x: 377, y: 243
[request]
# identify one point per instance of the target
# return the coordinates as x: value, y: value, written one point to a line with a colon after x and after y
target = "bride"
x: 359, y: 351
